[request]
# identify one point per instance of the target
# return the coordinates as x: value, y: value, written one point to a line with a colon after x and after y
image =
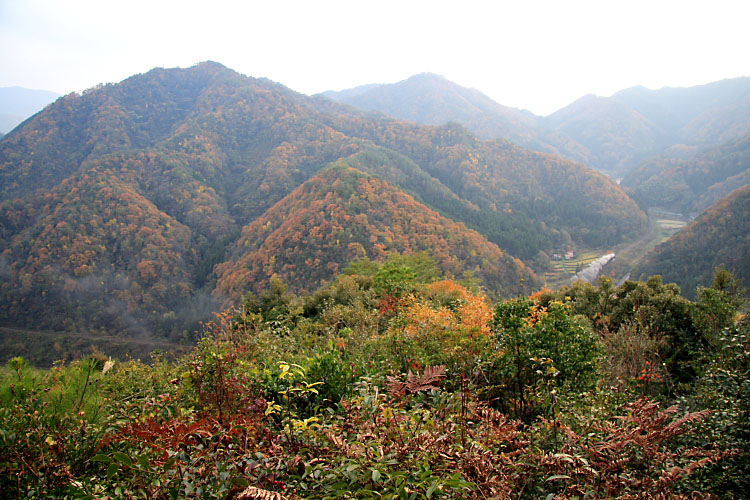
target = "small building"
x: 569, y: 255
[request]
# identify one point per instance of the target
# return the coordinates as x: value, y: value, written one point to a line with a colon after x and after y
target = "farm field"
x: 667, y: 225
x: 661, y: 227
x: 565, y: 269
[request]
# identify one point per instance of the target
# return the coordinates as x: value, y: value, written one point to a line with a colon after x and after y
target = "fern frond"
x: 253, y: 493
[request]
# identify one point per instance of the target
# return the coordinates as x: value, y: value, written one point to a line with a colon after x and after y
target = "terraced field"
x: 667, y: 224
x: 565, y: 269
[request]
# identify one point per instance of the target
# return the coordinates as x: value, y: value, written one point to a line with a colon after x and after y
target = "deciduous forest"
x: 119, y: 205
x: 212, y: 286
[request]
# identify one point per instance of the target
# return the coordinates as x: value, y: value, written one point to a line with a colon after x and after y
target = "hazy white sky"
x: 538, y: 55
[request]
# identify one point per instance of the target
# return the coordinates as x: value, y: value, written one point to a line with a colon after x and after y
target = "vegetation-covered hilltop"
x: 393, y: 382
x: 612, y: 134
x: 635, y: 124
x: 690, y: 185
x: 433, y: 100
x: 116, y: 204
x: 720, y: 236
x: 343, y: 214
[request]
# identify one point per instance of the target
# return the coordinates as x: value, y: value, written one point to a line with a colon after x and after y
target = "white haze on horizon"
x: 539, y: 55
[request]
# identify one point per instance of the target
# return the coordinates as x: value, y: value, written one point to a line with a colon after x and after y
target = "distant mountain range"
x: 623, y: 130
x: 690, y: 185
x: 18, y: 103
x: 139, y: 206
x: 612, y: 134
x: 433, y: 100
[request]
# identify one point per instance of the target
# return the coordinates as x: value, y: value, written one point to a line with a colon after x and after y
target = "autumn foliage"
x: 325, y: 396
x: 140, y: 207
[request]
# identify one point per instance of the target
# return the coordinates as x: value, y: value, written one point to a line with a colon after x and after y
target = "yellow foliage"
x: 421, y: 318
x: 471, y: 315
x: 476, y: 315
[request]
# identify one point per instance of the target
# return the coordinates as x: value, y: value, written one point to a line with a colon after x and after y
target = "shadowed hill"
x: 637, y: 123
x: 433, y: 100
x: 343, y: 214
x: 719, y: 237
x: 691, y: 185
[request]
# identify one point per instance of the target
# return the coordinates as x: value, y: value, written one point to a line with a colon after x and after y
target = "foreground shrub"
x: 539, y: 344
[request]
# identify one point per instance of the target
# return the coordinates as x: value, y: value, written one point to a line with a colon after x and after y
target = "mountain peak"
x: 343, y: 213
x: 429, y: 77
x: 209, y: 65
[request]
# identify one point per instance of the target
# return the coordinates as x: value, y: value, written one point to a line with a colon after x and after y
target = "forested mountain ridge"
x: 343, y: 214
x: 522, y: 200
x: 720, y: 236
x: 616, y: 135
x: 433, y: 100
x: 116, y: 204
x: 690, y: 115
x: 612, y: 134
x: 691, y: 185
x: 634, y: 124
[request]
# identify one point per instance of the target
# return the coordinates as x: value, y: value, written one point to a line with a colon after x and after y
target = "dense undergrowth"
x: 395, y: 383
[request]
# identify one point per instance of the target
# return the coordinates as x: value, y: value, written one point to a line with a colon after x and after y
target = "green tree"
x: 276, y: 306
x: 394, y: 279
x: 718, y: 304
x: 361, y: 267
x: 724, y: 388
x: 529, y: 336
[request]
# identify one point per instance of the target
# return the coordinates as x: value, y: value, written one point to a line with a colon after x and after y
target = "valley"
x: 374, y: 251
x: 145, y: 215
x: 44, y: 347
x: 212, y: 286
x: 662, y: 225
x: 145, y: 206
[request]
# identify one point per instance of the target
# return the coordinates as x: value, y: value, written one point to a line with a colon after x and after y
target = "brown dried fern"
x: 253, y: 493
x: 431, y: 376
x: 631, y: 455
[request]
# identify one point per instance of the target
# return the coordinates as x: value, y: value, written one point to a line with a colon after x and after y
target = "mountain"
x: 720, y: 236
x: 118, y: 205
x: 634, y: 124
x: 18, y: 103
x: 433, y: 100
x: 617, y: 135
x: 691, y: 185
x: 343, y: 214
x: 702, y: 115
x: 612, y: 134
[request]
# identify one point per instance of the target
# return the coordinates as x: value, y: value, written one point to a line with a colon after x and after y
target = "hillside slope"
x: 526, y: 201
x: 719, y: 237
x: 116, y: 204
x: 343, y: 214
x: 617, y: 135
x: 691, y: 185
x: 433, y: 100
x: 634, y: 124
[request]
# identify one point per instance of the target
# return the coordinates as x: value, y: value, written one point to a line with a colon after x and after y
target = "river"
x: 591, y: 272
